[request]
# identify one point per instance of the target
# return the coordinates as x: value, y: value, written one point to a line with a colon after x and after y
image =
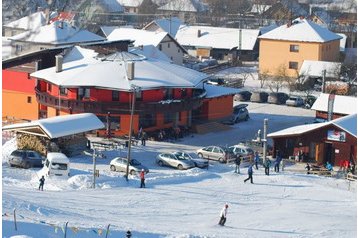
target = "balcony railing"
x: 81, y: 106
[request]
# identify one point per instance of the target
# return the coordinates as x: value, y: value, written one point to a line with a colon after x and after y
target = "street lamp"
x: 134, y: 89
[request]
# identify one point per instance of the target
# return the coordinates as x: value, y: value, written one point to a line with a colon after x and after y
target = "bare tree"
x: 246, y: 73
x: 279, y: 79
x: 263, y: 77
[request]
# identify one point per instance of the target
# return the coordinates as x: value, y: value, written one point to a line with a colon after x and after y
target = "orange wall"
x: 14, y: 104
x: 275, y: 53
x: 219, y: 107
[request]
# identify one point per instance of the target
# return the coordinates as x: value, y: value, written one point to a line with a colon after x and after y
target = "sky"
x: 182, y: 203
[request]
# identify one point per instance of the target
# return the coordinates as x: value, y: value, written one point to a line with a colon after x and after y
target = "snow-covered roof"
x: 298, y: 130
x: 170, y: 25
x: 323, y: 16
x: 140, y: 37
x: 114, y: 5
x: 213, y: 91
x: 59, y: 126
x: 32, y: 22
x: 301, y: 30
x: 149, y: 51
x: 216, y: 37
x: 259, y: 8
x: 315, y: 68
x: 58, y: 33
x: 347, y: 123
x: 81, y: 68
x: 130, y: 3
x: 108, y: 29
x: 185, y: 6
x: 342, y: 104
x: 265, y: 29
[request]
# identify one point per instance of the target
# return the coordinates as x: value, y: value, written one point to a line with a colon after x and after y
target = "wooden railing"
x: 79, y: 106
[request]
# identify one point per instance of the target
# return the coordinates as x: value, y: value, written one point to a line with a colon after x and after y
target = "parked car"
x: 240, y: 113
x: 57, y: 164
x: 259, y: 97
x: 277, y: 98
x: 199, y: 162
x: 216, y: 81
x: 242, y: 151
x: 295, y: 101
x: 120, y: 164
x: 222, y: 154
x: 25, y: 159
x: 310, y: 99
x: 242, y: 96
x: 172, y: 160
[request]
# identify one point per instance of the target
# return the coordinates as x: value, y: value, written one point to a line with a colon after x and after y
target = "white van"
x: 57, y: 164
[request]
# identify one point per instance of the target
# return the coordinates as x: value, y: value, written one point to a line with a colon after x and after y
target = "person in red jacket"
x: 142, y: 178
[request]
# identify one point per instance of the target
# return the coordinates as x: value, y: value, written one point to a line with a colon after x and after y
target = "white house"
x: 161, y: 40
x: 217, y: 42
x: 170, y: 25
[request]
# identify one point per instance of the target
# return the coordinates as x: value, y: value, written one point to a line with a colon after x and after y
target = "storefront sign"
x: 336, y: 135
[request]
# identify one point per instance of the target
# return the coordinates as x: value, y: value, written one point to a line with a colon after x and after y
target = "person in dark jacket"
x: 237, y: 163
x: 267, y: 165
x: 42, y: 182
x: 250, y: 172
x: 142, y: 178
x: 144, y: 137
x: 308, y: 167
x: 277, y: 163
x: 257, y: 159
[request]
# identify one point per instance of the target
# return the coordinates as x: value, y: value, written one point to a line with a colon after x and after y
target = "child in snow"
x: 142, y: 179
x: 42, y: 182
x: 250, y: 172
x: 267, y: 166
x: 257, y: 159
x: 223, y: 215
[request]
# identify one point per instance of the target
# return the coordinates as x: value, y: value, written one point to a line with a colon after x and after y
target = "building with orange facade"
x: 283, y: 50
x: 163, y: 94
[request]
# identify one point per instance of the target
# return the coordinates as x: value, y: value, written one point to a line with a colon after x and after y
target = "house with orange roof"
x: 288, y: 46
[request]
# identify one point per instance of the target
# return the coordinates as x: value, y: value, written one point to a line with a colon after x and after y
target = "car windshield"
x: 249, y: 151
x: 59, y: 166
x: 181, y: 156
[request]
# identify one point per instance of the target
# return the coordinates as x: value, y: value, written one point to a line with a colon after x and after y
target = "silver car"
x: 222, y: 154
x: 240, y: 113
x: 172, y: 160
x: 243, y: 151
x: 120, y: 164
x: 199, y: 162
x: 295, y: 101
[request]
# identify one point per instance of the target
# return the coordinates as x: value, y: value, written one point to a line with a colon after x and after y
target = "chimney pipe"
x: 199, y: 33
x: 59, y: 62
x: 130, y: 70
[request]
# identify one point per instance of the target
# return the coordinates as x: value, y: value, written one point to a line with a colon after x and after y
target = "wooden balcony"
x: 81, y: 106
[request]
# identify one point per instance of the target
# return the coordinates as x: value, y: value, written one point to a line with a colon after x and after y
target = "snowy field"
x: 182, y: 203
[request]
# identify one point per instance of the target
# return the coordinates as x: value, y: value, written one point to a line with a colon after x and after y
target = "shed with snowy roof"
x: 334, y: 141
x: 65, y: 133
x: 285, y: 48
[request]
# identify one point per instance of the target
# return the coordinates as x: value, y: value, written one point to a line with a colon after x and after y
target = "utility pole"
x: 323, y: 81
x: 134, y: 90
x: 94, y: 168
x: 265, y: 138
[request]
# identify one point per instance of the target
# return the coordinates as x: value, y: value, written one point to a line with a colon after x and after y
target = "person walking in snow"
x: 308, y: 167
x: 144, y: 137
x: 277, y: 163
x: 237, y: 163
x: 257, y: 159
x: 42, y: 182
x: 267, y: 165
x: 142, y: 178
x: 223, y: 214
x: 250, y: 172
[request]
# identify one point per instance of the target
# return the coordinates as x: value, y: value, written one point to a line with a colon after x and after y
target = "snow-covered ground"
x: 182, y: 203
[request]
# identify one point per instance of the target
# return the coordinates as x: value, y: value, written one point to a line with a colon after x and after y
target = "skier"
x: 267, y: 166
x: 250, y: 172
x: 223, y: 215
x: 42, y: 182
x: 142, y: 179
x: 257, y: 159
x: 237, y: 163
